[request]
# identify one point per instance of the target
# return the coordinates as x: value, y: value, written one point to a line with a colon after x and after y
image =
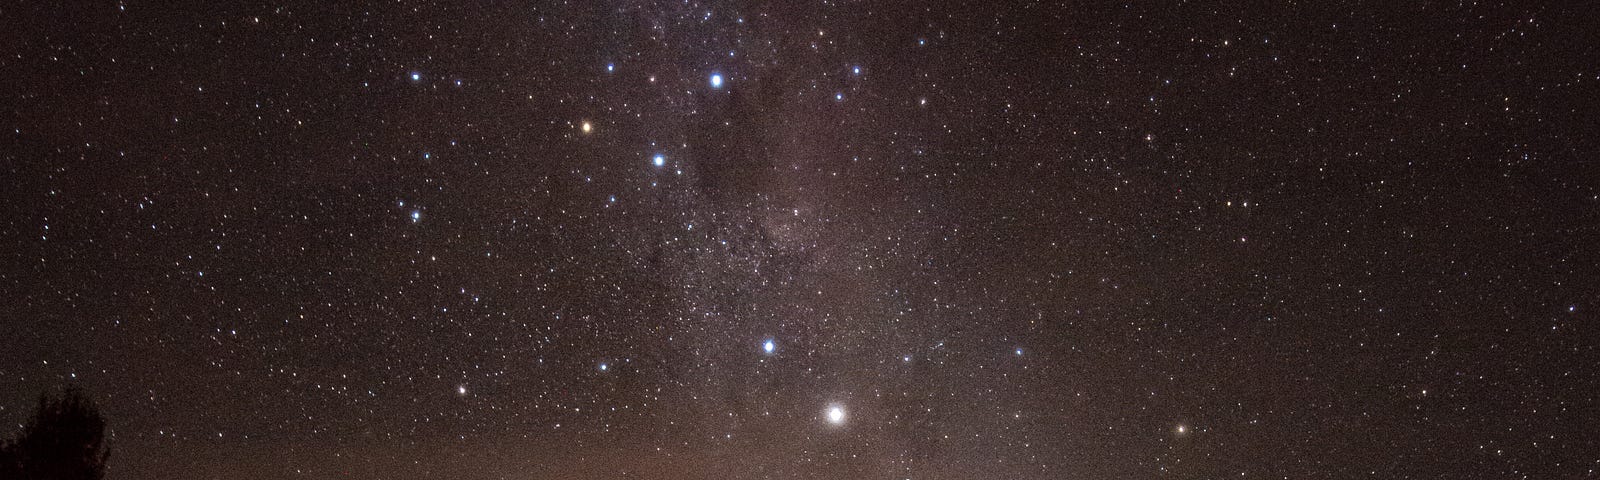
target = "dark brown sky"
x: 1010, y: 240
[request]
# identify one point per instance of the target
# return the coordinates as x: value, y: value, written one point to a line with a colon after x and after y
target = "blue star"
x: 716, y: 80
x: 769, y: 346
x: 611, y: 67
x: 855, y: 70
x: 659, y: 160
x: 416, y: 77
x: 604, y: 366
x: 416, y: 216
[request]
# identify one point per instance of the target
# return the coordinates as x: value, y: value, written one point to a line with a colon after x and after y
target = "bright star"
x: 415, y: 77
x: 716, y: 80
x: 604, y: 367
x: 659, y: 160
x: 838, y: 97
x: 769, y: 346
x: 611, y: 67
x: 461, y: 389
x: 836, y: 414
x: 856, y: 70
x: 416, y: 216
x: 586, y: 127
x: 1019, y: 351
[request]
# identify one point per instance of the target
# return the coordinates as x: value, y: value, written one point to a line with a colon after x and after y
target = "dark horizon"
x: 820, y: 239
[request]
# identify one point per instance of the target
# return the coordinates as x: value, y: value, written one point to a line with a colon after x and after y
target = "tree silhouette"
x: 65, y: 440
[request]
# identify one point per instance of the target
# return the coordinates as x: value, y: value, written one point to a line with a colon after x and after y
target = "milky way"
x: 686, y: 239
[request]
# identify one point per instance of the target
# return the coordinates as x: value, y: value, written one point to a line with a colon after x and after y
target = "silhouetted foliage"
x: 65, y: 440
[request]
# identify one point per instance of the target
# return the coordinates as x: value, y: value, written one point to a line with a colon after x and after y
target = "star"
x: 659, y: 160
x: 838, y: 97
x: 416, y: 77
x: 611, y: 67
x: 586, y: 127
x: 769, y: 346
x: 416, y: 216
x: 856, y: 70
x: 461, y: 389
x: 716, y: 80
x: 1019, y: 351
x: 836, y: 414
x: 604, y: 367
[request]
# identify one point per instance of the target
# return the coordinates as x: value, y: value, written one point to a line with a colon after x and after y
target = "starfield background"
x: 806, y: 239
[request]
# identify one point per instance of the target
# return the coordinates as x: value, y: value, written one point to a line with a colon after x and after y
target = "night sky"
x: 807, y: 239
